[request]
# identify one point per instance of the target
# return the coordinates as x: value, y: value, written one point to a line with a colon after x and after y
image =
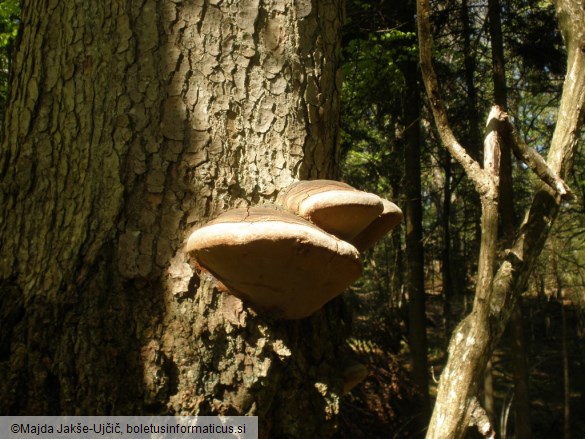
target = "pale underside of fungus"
x: 275, y: 260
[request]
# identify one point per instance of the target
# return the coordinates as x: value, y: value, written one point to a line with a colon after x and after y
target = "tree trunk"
x: 522, y: 424
x: 566, y: 376
x: 508, y: 221
x: 446, y: 267
x: 474, y: 138
x: 474, y: 134
x: 564, y: 350
x: 505, y: 196
x: 415, y: 276
x: 131, y: 124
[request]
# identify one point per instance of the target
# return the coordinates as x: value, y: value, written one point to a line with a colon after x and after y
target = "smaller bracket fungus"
x: 388, y: 219
x: 335, y: 207
x: 275, y: 260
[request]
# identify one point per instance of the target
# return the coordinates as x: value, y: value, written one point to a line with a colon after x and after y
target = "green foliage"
x: 9, y: 12
x: 9, y: 23
x: 372, y: 95
x: 537, y: 44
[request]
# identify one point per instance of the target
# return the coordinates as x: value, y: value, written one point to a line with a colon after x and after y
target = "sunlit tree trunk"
x: 130, y: 124
x: 506, y: 203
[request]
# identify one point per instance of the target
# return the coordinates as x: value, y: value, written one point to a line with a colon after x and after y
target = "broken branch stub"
x: 335, y: 207
x: 275, y: 260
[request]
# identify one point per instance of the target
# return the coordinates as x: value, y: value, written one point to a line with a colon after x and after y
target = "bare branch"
x: 522, y: 151
x: 538, y: 165
x: 492, y: 143
x: 472, y: 168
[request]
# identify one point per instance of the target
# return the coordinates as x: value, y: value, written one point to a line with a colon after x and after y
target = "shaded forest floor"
x: 384, y: 405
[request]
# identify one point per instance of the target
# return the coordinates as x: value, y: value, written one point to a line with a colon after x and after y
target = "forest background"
x: 536, y: 371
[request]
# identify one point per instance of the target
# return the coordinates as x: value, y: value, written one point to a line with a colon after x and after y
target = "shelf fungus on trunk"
x: 275, y: 260
x: 336, y: 207
x: 380, y: 227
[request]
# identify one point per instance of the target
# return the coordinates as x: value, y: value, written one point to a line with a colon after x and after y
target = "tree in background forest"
x: 129, y: 124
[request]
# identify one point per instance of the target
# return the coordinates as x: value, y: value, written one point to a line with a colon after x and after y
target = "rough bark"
x: 132, y: 123
x: 473, y: 340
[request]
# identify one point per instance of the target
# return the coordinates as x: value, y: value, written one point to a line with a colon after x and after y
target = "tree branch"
x: 482, y: 180
x: 538, y: 165
x: 524, y: 153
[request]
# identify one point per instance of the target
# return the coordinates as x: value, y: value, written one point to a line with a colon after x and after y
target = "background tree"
x: 130, y: 124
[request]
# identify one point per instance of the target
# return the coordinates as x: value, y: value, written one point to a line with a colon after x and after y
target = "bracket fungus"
x: 390, y: 217
x: 335, y: 207
x: 294, y: 260
x: 275, y: 259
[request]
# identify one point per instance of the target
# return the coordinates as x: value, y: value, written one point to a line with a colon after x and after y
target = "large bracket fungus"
x: 292, y: 261
x: 275, y: 259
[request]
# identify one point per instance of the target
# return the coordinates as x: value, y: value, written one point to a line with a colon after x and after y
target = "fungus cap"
x: 335, y: 207
x: 388, y: 219
x: 275, y: 260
